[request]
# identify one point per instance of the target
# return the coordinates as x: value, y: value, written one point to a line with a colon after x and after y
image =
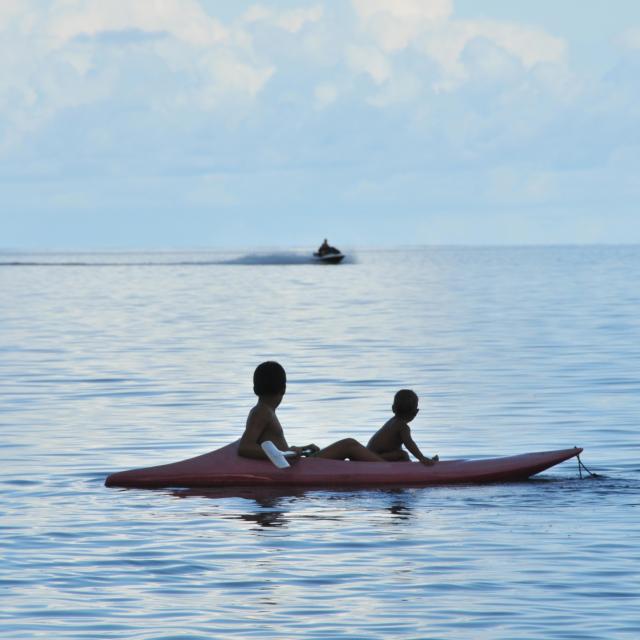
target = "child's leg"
x: 397, y: 455
x: 351, y: 449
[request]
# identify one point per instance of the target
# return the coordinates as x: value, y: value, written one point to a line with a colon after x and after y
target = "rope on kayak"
x: 581, y: 466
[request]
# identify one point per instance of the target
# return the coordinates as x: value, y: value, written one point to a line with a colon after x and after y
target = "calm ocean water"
x: 112, y: 361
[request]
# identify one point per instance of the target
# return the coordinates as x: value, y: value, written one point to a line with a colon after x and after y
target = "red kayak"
x: 224, y: 468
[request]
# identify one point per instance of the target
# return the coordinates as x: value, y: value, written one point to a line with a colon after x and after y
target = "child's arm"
x: 407, y: 441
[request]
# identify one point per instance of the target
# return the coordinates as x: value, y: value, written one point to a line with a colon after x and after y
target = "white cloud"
x: 325, y: 95
x: 227, y: 75
x: 629, y: 39
x: 9, y: 9
x: 170, y: 82
x: 178, y: 39
x: 72, y: 53
x: 529, y: 46
x: 257, y: 13
x: 394, y: 24
x: 402, y: 88
x: 371, y: 61
x: 413, y: 10
x: 183, y: 19
x: 293, y: 20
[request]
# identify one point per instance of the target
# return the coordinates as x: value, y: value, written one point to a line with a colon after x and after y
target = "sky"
x: 204, y: 123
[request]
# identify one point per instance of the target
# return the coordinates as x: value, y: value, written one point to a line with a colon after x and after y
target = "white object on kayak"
x: 279, y: 458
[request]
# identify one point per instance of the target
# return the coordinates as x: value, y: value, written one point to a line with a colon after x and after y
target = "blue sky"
x: 199, y: 123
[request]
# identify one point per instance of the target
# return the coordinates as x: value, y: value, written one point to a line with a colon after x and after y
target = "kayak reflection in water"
x: 269, y: 384
x: 388, y: 440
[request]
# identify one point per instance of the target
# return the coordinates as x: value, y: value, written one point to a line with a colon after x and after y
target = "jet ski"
x: 329, y: 255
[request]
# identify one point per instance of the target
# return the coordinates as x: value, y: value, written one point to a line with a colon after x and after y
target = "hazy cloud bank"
x: 299, y: 109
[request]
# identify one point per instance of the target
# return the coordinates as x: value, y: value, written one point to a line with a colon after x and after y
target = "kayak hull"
x: 224, y: 468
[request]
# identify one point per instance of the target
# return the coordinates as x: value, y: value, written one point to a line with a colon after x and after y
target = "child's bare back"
x: 387, y: 441
x: 262, y: 424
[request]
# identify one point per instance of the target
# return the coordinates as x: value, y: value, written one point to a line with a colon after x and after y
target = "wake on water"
x: 278, y: 258
x: 145, y: 259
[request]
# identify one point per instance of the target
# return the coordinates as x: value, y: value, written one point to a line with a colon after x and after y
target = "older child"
x: 388, y: 440
x: 269, y: 384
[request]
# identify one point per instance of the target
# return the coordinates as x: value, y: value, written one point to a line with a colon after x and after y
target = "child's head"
x: 405, y: 404
x: 269, y: 379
